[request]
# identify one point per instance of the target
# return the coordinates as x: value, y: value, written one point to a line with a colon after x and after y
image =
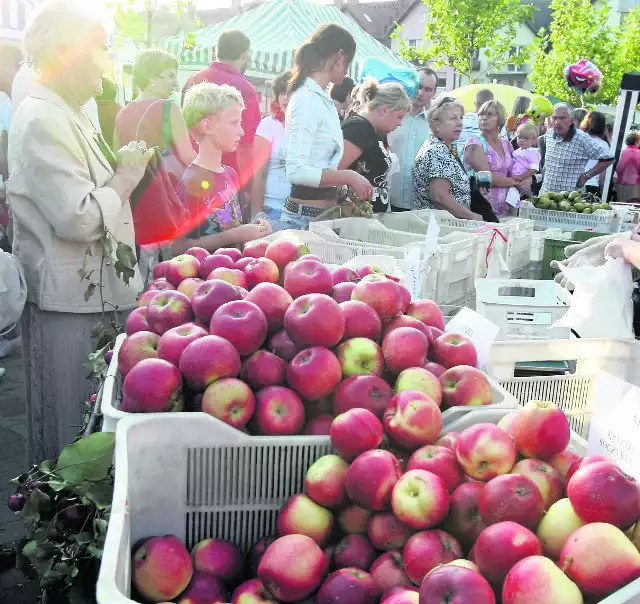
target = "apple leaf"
x: 89, y: 459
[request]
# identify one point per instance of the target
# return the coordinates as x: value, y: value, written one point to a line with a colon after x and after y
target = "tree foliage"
x: 581, y: 30
x: 457, y: 30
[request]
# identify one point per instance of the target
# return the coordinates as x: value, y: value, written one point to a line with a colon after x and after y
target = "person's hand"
x: 360, y: 185
x: 582, y: 181
x: 132, y: 160
x: 249, y: 232
x: 264, y: 222
x: 616, y: 247
x: 475, y: 216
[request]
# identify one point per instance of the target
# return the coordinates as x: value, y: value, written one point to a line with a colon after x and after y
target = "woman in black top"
x: 382, y: 107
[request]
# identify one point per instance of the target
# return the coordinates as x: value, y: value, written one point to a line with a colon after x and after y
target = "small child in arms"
x: 209, y: 189
x: 527, y: 157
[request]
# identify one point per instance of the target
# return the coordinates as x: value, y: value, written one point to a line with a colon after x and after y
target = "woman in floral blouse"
x: 439, y: 178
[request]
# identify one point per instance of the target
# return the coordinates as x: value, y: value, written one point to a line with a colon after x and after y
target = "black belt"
x: 314, y: 193
x: 302, y: 210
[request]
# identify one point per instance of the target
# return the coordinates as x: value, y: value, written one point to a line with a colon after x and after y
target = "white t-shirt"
x: 21, y: 86
x: 277, y: 185
x: 5, y: 112
x: 595, y: 181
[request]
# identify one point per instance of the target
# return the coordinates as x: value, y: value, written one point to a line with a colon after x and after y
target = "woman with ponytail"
x: 382, y: 107
x: 270, y: 184
x: 315, y: 144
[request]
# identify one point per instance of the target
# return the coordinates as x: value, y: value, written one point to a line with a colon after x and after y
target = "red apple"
x: 243, y: 263
x: 348, y: 586
x: 293, y: 567
x: 242, y: 323
x: 404, y: 347
x: 434, y: 368
x: 412, y: 419
x: 421, y: 380
x: 502, y: 545
x: 538, y: 579
x: 371, y: 478
x: 146, y: 297
x: 282, y: 346
x: 464, y: 521
x: 152, y: 386
x: 160, y: 284
x: 440, y: 461
x: 180, y: 268
x: 563, y: 462
x: 354, y: 519
x: 580, y: 462
x: 601, y: 492
x: 256, y: 249
x: 456, y: 585
x: 137, y: 347
x: 406, y: 321
x: 448, y: 440
x: 261, y: 270
x: 314, y: 372
x: 342, y: 292
x: 342, y: 274
x: 508, y: 422
x: 303, y: 516
x: 361, y: 321
x: 364, y: 391
x: 368, y: 269
x: 485, y: 451
x: 380, y: 293
x: 208, y: 359
x: 307, y: 277
x: 212, y: 262
x: 386, y: 532
x: 189, y: 286
x: 230, y: 400
x: 233, y: 253
x: 273, y: 300
x: 420, y: 499
x: 197, y: 252
x: 173, y: 342
x: 324, y: 481
x: 401, y: 594
x: 546, y: 477
x: 204, y: 588
x: 354, y: 551
x: 160, y: 269
x: 168, y: 309
x: 230, y: 275
x: 428, y: 312
x: 315, y: 320
x: 255, y: 554
x: 282, y: 252
x: 319, y: 426
x: 542, y: 430
x: 211, y: 295
x: 360, y: 356
x: 354, y: 432
x: 426, y: 550
x: 600, y: 559
x: 264, y: 369
x: 219, y: 558
x: 309, y: 256
x: 279, y: 411
x: 137, y: 321
x: 452, y: 349
x: 433, y: 334
x: 465, y: 386
x: 387, y: 571
x: 405, y: 297
x: 252, y: 592
x: 514, y: 498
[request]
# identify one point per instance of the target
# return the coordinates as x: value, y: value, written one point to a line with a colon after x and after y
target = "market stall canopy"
x: 276, y: 29
x: 505, y: 94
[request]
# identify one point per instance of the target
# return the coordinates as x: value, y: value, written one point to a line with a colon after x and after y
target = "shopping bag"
x: 601, y: 305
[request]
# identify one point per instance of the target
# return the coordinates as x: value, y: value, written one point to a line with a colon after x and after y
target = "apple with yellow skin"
x: 420, y: 499
x: 556, y: 526
x: 545, y: 476
x: 542, y: 430
x: 421, y: 380
x: 303, y: 516
x: 564, y: 461
x: 324, y: 481
x: 252, y: 592
x: 464, y: 563
x: 485, y: 451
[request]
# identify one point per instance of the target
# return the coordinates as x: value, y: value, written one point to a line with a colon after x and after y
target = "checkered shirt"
x: 565, y: 159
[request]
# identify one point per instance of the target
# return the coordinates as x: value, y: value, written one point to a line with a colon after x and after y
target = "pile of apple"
x: 274, y: 342
x: 537, y: 524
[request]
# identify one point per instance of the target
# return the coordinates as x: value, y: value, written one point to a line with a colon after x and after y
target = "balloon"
x: 539, y: 108
x: 383, y: 72
x: 583, y: 76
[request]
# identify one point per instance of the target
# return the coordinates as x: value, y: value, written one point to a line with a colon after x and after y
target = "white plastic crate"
x: 571, y: 392
x: 112, y: 392
x: 601, y: 221
x: 523, y: 309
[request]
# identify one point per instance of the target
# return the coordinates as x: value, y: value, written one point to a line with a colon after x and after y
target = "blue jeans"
x: 273, y: 209
x: 292, y: 220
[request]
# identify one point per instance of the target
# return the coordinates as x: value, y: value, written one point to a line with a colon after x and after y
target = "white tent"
x: 14, y: 15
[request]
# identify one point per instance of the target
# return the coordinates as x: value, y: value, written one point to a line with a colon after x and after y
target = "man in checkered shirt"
x: 567, y: 152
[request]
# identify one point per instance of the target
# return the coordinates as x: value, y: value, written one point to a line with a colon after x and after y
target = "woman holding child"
x: 315, y: 144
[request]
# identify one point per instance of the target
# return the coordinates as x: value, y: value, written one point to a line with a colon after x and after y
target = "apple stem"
x: 567, y: 564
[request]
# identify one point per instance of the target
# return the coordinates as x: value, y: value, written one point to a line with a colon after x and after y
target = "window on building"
x: 514, y: 54
x: 423, y: 17
x: 442, y: 81
x: 414, y: 43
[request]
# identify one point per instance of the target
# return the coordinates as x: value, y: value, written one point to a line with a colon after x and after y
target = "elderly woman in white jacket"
x: 64, y: 196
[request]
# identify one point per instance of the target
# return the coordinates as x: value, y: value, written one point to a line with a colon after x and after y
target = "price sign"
x: 431, y: 238
x: 478, y: 329
x: 614, y: 431
x: 412, y: 273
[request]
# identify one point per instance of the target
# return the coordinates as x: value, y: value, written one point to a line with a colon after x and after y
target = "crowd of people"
x: 74, y: 157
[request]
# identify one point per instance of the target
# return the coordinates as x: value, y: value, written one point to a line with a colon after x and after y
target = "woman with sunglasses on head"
x: 315, y: 144
x: 440, y: 181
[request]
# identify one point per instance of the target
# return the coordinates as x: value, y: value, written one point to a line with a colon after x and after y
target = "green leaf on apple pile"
x: 91, y: 288
x: 88, y: 459
x: 125, y: 255
x: 124, y: 272
x: 37, y: 504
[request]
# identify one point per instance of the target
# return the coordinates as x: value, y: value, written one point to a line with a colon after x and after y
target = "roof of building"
x: 376, y: 18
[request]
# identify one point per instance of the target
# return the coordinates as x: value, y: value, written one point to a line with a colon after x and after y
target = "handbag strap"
x: 167, y: 138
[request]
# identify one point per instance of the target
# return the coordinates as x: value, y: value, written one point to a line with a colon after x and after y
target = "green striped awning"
x: 276, y: 29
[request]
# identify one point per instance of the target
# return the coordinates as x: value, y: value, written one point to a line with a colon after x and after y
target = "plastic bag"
x: 13, y: 291
x: 601, y: 305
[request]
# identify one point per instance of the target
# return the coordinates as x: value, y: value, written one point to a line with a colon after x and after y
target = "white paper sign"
x: 431, y: 238
x: 478, y: 329
x: 412, y: 276
x: 614, y: 429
